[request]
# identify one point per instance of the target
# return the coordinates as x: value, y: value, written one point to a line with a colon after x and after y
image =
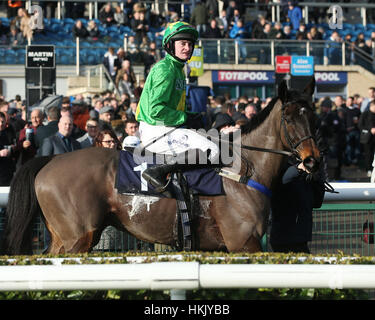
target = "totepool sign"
x: 230, y: 76
x: 331, y: 77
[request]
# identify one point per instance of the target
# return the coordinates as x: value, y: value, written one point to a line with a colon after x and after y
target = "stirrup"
x: 163, y: 189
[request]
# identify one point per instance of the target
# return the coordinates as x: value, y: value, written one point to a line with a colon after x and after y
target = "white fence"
x: 181, y: 276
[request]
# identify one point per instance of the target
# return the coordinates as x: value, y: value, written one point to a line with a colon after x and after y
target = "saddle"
x: 185, y: 187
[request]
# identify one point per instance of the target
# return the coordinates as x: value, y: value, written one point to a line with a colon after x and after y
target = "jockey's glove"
x: 194, y: 121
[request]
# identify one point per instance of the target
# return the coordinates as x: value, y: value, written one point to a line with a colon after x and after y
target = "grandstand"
x: 219, y: 54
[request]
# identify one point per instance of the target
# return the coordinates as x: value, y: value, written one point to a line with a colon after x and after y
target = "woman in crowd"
x: 107, y: 139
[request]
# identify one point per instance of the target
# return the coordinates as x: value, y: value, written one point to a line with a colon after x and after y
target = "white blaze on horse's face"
x: 302, y: 111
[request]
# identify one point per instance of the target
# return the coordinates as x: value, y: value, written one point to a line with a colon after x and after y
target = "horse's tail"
x: 22, y: 208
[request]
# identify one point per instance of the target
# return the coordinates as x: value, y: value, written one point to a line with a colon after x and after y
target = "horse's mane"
x: 292, y: 95
x: 259, y: 117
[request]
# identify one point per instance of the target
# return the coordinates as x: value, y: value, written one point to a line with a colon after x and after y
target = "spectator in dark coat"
x: 53, y: 116
x: 79, y: 30
x: 277, y: 31
x: 199, y: 17
x: 367, y: 124
x: 292, y: 205
x: 287, y: 32
x: 93, y: 31
x: 353, y: 147
x: 15, y: 38
x: 61, y: 142
x: 315, y: 33
x: 212, y: 9
x: 302, y: 32
x: 139, y: 26
x: 74, y: 10
x: 333, y: 133
x: 230, y: 10
x: 212, y: 31
x: 106, y: 15
x: 7, y: 154
x: 26, y: 142
x: 4, y: 31
x: 257, y: 27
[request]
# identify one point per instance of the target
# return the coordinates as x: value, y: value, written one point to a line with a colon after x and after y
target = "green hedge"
x: 201, y: 257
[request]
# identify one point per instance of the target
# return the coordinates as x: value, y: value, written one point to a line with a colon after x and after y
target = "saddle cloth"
x: 129, y: 178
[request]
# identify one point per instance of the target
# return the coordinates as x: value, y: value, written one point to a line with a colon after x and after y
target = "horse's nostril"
x: 310, y: 163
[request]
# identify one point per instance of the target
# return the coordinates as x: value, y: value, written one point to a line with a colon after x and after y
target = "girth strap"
x: 184, y: 216
x: 246, y: 180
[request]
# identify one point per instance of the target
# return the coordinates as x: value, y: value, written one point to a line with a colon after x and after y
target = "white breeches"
x: 178, y: 141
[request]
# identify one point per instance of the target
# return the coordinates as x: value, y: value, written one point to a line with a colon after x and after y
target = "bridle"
x: 293, y: 146
x: 284, y: 121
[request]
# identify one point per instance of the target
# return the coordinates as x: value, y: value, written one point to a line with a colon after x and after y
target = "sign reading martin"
x: 40, y: 56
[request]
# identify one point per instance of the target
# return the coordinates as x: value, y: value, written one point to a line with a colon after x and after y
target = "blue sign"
x: 331, y: 77
x: 302, y: 66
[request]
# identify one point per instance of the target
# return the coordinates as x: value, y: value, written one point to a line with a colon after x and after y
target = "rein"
x: 245, y: 179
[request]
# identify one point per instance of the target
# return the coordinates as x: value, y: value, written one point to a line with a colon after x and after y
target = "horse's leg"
x: 240, y: 226
x: 73, y: 224
x: 56, y: 246
x: 252, y: 245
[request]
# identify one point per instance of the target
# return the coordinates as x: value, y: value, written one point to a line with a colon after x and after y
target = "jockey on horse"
x: 162, y: 114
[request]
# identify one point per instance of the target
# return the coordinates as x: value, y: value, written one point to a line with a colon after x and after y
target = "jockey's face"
x: 183, y: 49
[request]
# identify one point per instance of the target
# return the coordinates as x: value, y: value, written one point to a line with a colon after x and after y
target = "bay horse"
x: 75, y: 194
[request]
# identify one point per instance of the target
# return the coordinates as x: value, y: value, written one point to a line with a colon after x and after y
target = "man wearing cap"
x: 162, y: 112
x: 105, y: 117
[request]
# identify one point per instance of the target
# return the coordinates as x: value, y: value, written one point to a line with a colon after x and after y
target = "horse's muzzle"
x: 311, y: 164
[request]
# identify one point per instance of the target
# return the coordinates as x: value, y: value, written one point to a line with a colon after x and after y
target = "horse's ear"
x: 310, y: 88
x: 283, y: 91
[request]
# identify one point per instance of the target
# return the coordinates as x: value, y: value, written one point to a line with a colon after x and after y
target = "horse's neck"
x: 267, y: 135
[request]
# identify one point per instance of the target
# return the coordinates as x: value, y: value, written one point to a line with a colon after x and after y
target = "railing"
x: 343, y: 227
x: 181, y: 276
x: 216, y: 51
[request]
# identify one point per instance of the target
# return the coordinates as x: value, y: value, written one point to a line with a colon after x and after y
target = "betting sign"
x: 283, y: 64
x: 40, y: 56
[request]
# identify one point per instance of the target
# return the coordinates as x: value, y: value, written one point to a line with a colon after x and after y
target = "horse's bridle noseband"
x: 293, y: 146
x: 284, y: 121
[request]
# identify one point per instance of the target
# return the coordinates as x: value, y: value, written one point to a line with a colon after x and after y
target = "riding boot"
x: 189, y: 160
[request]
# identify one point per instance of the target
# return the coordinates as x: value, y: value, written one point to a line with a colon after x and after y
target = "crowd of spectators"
x: 341, y: 122
x: 213, y: 20
x: 346, y: 127
x: 77, y: 123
